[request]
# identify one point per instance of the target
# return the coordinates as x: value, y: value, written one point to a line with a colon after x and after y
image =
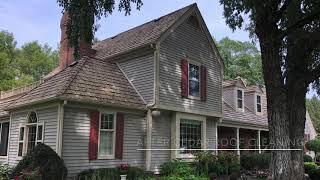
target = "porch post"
x: 259, y: 142
x: 149, y: 140
x: 238, y: 142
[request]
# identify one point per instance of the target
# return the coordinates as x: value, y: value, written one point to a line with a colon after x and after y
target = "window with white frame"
x: 30, y: 134
x: 190, y: 135
x: 258, y: 104
x: 4, y: 134
x: 194, y: 80
x: 239, y: 99
x: 107, y: 135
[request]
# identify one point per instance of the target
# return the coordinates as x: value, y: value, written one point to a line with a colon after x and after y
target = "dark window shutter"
x: 119, y: 135
x: 203, y: 82
x: 94, y: 133
x: 184, y: 78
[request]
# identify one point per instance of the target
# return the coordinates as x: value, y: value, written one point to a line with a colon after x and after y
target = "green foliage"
x: 177, y: 168
x: 225, y: 164
x: 42, y: 162
x: 21, y: 66
x: 203, y: 160
x: 313, y: 107
x: 308, y: 166
x: 307, y: 158
x: 133, y: 173
x: 313, y: 145
x: 241, y: 59
x: 314, y: 174
x: 255, y: 161
x: 84, y: 14
x: 5, y: 172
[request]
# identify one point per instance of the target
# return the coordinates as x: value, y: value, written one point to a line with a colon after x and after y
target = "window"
x: 190, y: 135
x: 4, y: 134
x: 194, y: 80
x: 30, y: 134
x: 258, y: 103
x: 239, y: 99
x: 107, y: 136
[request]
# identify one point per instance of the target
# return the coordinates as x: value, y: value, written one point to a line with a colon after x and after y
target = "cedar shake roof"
x: 93, y: 80
x: 139, y: 36
x: 88, y: 80
x: 4, y: 103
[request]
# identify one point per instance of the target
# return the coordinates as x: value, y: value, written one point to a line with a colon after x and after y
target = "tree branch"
x: 301, y: 22
x: 283, y: 8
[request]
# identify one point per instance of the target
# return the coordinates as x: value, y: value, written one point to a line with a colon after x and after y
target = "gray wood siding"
x: 161, y: 136
x: 211, y: 133
x: 188, y: 42
x: 76, y: 131
x: 47, y: 115
x: 249, y: 101
x: 228, y: 96
x: 140, y: 71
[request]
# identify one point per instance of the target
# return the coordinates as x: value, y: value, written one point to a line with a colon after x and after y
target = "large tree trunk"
x: 277, y: 108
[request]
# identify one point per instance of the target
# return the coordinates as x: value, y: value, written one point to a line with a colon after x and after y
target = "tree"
x: 313, y: 107
x: 241, y: 59
x: 313, y: 145
x: 84, y: 15
x: 36, y: 60
x: 289, y: 35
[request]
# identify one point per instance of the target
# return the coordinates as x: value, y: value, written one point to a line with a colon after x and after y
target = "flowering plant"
x: 124, y: 168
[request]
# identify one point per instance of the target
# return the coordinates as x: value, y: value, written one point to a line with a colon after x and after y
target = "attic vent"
x: 194, y: 21
x: 156, y: 20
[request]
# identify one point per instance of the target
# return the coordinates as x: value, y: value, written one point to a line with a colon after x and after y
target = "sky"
x: 40, y: 19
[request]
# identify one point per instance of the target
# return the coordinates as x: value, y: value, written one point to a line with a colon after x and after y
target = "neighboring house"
x: 156, y: 86
x: 309, y: 133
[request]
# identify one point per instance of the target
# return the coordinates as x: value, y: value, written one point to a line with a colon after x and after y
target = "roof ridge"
x: 145, y: 23
x: 73, y: 76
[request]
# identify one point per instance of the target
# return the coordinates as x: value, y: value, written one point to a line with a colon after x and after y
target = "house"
x: 157, y: 86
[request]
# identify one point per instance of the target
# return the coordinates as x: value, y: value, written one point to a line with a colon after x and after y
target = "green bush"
x: 177, y: 168
x: 314, y: 174
x: 133, y: 173
x: 41, y: 163
x: 255, y: 161
x: 225, y: 164
x: 313, y: 145
x: 5, y: 171
x: 307, y: 158
x: 202, y: 161
x: 309, y: 166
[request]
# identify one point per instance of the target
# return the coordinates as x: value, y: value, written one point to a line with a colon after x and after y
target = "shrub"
x: 202, y: 161
x: 307, y: 158
x: 43, y: 163
x: 177, y: 168
x: 225, y: 164
x: 133, y: 173
x: 309, y: 166
x: 5, y: 171
x: 313, y: 145
x: 314, y: 174
x: 255, y: 161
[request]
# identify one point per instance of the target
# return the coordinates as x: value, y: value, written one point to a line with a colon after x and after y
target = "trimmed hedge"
x: 307, y: 158
x: 255, y: 161
x: 133, y: 173
x: 309, y: 166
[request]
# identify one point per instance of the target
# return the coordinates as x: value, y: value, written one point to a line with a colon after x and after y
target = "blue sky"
x: 39, y: 19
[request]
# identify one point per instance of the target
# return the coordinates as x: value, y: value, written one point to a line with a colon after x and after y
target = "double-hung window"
x: 107, y: 126
x: 239, y: 99
x: 258, y: 104
x: 194, y: 80
x: 4, y: 134
x: 190, y: 136
x: 30, y: 134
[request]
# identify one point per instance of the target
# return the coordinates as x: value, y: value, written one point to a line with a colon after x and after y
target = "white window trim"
x: 25, y: 134
x: 199, y: 65
x: 1, y: 122
x: 114, y: 134
x: 175, y: 131
x: 236, y: 99
x: 256, y: 103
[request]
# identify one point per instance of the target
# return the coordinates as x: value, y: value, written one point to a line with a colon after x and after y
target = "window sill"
x: 194, y: 97
x: 105, y: 158
x: 3, y: 157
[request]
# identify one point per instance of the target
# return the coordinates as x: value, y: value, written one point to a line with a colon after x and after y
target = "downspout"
x: 60, y: 128
x: 150, y: 107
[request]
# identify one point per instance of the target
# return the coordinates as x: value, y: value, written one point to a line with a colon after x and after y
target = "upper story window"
x: 194, y: 80
x: 258, y: 103
x: 4, y: 134
x: 107, y: 136
x: 30, y: 134
x: 240, y: 99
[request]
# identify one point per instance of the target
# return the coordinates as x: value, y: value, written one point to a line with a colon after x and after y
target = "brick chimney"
x: 66, y: 51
